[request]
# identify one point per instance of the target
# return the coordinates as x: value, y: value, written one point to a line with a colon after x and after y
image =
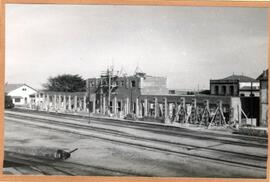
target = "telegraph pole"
x: 109, y: 94
x: 89, y: 105
x: 88, y: 90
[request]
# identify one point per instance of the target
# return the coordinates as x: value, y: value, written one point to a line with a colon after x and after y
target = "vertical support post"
x: 84, y: 103
x: 156, y: 107
x: 165, y: 107
x: 64, y: 103
x: 145, y: 107
x: 140, y: 108
x: 75, y: 103
x: 43, y: 102
x: 59, y: 101
x: 54, y: 102
x: 100, y: 104
x: 115, y: 105
x: 69, y: 103
x: 104, y: 105
x: 80, y: 103
x: 127, y: 105
x: 47, y: 102
x: 94, y: 104
x: 137, y: 107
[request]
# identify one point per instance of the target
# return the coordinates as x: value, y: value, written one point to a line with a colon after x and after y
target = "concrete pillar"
x: 54, y: 102
x: 104, y: 105
x: 156, y: 107
x: 137, y: 107
x: 100, y: 104
x: 64, y: 103
x: 47, y: 102
x: 75, y: 102
x: 59, y: 101
x: 94, y: 104
x: 165, y: 107
x: 84, y: 103
x: 145, y: 108
x: 80, y: 104
x: 115, y: 105
x: 140, y: 108
x: 69, y: 103
x: 127, y: 105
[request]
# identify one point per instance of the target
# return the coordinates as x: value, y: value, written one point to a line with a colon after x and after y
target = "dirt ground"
x: 99, y: 157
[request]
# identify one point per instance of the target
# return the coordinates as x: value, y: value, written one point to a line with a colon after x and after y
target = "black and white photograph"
x: 136, y: 90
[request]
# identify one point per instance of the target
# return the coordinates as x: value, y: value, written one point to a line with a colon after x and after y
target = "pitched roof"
x: 11, y: 87
x: 241, y: 78
x: 263, y: 75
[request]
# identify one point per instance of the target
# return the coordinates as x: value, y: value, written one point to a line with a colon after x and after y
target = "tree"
x: 66, y: 83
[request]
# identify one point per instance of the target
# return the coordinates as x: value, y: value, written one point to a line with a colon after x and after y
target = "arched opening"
x: 231, y: 90
x: 216, y: 90
x: 223, y: 90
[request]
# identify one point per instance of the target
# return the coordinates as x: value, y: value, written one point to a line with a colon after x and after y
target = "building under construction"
x: 147, y: 97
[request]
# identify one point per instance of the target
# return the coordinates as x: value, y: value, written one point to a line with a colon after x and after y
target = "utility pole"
x: 88, y: 87
x: 109, y: 94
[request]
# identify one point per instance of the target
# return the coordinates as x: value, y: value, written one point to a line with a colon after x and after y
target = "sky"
x: 188, y: 45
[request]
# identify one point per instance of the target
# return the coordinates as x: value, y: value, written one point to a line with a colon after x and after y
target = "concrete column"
x: 69, y: 103
x: 140, y: 108
x: 75, y: 103
x: 165, y: 107
x: 137, y: 107
x: 121, y: 108
x: 54, y: 102
x: 100, y: 105
x: 156, y: 107
x: 59, y: 101
x: 104, y: 105
x: 145, y: 108
x: 80, y: 104
x: 94, y: 104
x: 47, y: 102
x: 64, y: 103
x: 115, y: 105
x: 84, y: 103
x: 127, y: 105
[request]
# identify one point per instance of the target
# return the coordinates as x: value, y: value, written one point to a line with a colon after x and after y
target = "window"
x: 17, y: 100
x: 122, y: 83
x: 24, y: 89
x: 133, y: 83
x: 92, y: 84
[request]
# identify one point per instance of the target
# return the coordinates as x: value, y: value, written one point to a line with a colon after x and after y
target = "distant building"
x: 263, y: 78
x: 124, y: 89
x: 21, y: 94
x: 235, y: 85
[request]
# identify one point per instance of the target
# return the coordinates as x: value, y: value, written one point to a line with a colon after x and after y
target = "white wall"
x: 248, y: 84
x: 24, y: 92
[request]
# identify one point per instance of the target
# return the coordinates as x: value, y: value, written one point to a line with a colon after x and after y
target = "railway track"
x: 51, y: 167
x: 175, y: 148
x: 167, y: 130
